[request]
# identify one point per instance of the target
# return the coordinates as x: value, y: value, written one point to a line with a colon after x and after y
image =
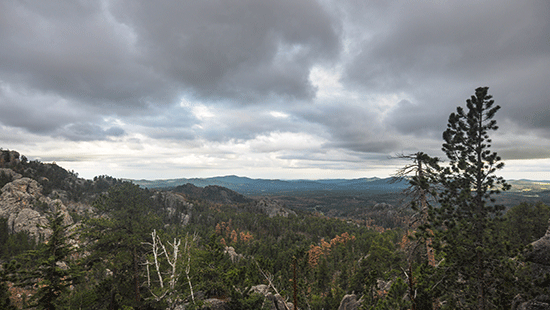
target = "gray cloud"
x: 458, y: 40
x: 352, y: 127
x: 75, y: 50
x: 241, y: 49
x: 420, y: 120
x: 459, y: 47
x: 127, y: 55
x: 37, y: 112
x: 89, y: 132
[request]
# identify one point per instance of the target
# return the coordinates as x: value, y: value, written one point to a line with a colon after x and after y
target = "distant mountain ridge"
x: 254, y: 187
x: 521, y: 189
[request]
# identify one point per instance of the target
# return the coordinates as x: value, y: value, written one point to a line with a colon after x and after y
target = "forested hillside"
x: 69, y: 243
x: 226, y: 251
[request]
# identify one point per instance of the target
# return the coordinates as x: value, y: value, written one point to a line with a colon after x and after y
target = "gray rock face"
x: 539, y: 256
x: 273, y: 208
x: 261, y: 289
x: 274, y: 301
x: 174, y: 202
x: 23, y: 204
x: 278, y: 303
x: 350, y: 302
x: 540, y: 253
x: 215, y: 304
x: 233, y: 255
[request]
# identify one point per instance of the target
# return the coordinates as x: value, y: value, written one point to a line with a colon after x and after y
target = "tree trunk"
x: 136, y: 276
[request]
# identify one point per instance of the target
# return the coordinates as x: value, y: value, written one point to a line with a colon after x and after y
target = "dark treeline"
x: 332, y: 257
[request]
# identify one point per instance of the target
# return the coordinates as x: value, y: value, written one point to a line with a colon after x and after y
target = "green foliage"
x: 467, y: 221
x: 54, y: 178
x: 246, y: 299
x: 117, y: 245
x: 51, y: 275
x: 394, y: 300
x: 5, y: 302
x: 13, y: 244
x: 525, y: 223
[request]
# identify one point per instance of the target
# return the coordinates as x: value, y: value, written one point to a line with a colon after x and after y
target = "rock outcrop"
x: 176, y: 206
x: 274, y: 301
x: 23, y: 204
x: 350, y: 302
x: 215, y: 304
x: 14, y: 175
x: 273, y: 208
x: 233, y: 255
x: 539, y: 257
x: 540, y: 251
x: 538, y: 254
x: 261, y: 289
x: 277, y: 302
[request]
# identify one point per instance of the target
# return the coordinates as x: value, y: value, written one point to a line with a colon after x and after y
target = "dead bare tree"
x: 269, y: 278
x: 173, y: 259
x: 421, y: 174
x: 186, y: 249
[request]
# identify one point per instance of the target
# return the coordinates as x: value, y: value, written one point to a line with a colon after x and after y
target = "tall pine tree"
x: 53, y: 272
x: 475, y: 259
x: 119, y: 243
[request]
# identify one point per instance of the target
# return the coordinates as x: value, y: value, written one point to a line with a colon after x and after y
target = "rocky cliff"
x: 25, y: 207
x: 538, y: 254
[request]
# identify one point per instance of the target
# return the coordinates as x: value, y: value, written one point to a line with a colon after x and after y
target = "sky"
x: 277, y: 89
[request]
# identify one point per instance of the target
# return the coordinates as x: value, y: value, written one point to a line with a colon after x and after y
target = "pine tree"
x: 119, y: 241
x: 5, y: 301
x: 474, y: 255
x: 55, y: 277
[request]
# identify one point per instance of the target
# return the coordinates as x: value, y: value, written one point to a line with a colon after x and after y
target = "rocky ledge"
x: 23, y: 204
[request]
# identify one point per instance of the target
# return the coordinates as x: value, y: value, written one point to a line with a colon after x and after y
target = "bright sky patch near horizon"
x: 288, y: 89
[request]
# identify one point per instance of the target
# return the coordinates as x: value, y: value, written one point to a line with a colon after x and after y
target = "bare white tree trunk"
x: 172, y: 261
x: 187, y: 249
x: 159, y: 250
x: 156, y: 254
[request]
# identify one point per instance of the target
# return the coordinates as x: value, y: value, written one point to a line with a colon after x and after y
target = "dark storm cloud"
x: 460, y: 39
x: 126, y: 57
x: 38, y: 112
x: 74, y: 50
x: 438, y: 53
x: 243, y: 49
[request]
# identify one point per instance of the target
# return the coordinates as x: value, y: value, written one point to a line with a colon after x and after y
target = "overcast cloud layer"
x: 271, y: 89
